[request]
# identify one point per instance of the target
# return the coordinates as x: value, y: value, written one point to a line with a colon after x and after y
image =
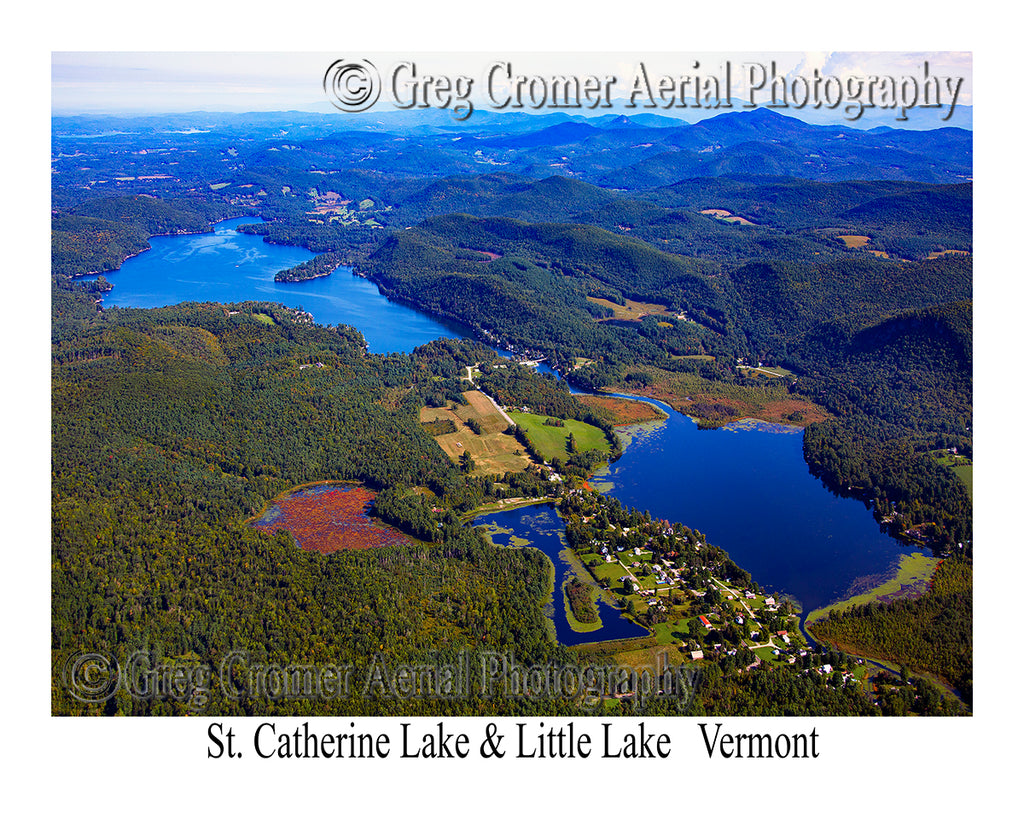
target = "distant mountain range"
x: 618, y: 152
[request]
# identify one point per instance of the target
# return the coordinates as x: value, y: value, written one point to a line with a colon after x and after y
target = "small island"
x: 316, y: 268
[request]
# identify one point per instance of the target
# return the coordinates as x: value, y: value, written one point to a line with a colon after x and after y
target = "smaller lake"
x: 543, y: 527
x: 748, y: 489
x: 227, y: 266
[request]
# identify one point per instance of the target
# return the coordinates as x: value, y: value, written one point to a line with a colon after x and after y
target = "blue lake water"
x: 543, y: 527
x: 227, y: 266
x: 749, y: 491
x: 747, y: 488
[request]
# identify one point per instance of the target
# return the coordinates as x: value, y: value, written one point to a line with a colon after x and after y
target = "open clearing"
x: 966, y: 474
x: 726, y: 216
x: 550, y: 441
x: 962, y: 467
x: 855, y: 241
x: 493, y: 452
x: 632, y: 310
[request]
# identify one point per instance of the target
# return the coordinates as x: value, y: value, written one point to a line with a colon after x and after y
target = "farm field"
x: 726, y: 216
x: 493, y: 452
x: 854, y: 241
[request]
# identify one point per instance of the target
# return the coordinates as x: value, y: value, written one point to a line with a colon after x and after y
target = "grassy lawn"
x: 765, y: 653
x: 550, y: 442
x: 672, y: 632
x: 608, y: 571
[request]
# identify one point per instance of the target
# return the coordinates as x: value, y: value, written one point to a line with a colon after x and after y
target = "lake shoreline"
x: 674, y: 476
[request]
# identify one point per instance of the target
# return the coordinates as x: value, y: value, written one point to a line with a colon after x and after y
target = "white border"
x: 159, y: 766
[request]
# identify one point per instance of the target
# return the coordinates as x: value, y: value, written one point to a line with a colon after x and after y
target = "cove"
x: 542, y: 526
x: 747, y: 489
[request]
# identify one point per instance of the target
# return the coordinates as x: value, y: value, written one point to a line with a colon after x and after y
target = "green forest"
x: 174, y: 426
x: 852, y: 275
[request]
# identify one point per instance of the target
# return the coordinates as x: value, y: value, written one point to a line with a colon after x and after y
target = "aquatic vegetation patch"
x: 329, y: 517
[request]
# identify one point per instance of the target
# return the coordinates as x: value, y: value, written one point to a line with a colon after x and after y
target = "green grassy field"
x: 912, y: 576
x: 672, y: 631
x: 966, y: 474
x: 550, y: 441
x: 765, y: 653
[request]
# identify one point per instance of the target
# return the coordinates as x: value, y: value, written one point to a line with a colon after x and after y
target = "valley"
x: 239, y: 358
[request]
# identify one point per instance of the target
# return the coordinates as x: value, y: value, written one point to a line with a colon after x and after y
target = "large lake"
x: 227, y: 266
x: 748, y: 490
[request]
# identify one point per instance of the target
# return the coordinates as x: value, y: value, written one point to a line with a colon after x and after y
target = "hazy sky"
x: 110, y: 82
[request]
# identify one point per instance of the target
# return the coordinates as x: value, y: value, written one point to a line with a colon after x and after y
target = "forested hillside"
x: 748, y: 265
x: 172, y: 427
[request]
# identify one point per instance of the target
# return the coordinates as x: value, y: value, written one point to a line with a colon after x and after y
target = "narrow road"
x: 501, y: 412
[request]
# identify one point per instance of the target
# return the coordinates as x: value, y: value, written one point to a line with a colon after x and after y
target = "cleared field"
x: 611, y: 572
x: 672, y: 631
x: 653, y: 659
x: 854, y: 241
x: 694, y: 357
x: 961, y: 466
x: 493, y: 452
x: 726, y: 216
x: 482, y: 408
x: 937, y: 253
x: 633, y: 310
x: 550, y: 442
